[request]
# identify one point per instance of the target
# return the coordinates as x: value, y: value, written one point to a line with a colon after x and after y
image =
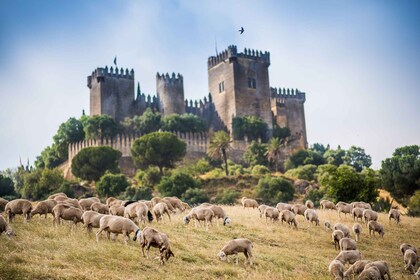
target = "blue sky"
x: 358, y: 62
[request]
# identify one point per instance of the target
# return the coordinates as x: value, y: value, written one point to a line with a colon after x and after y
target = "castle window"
x: 221, y: 87
x: 252, y: 83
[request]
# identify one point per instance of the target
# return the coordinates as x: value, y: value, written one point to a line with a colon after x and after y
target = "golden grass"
x: 41, y: 251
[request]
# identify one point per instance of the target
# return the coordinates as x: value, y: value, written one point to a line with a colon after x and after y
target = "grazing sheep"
x: 361, y: 204
x: 357, y: 213
x: 235, y: 246
x: 370, y: 215
x: 347, y: 244
x: 410, y: 259
x: 59, y: 197
x: 153, y: 238
x: 288, y: 217
x: 349, y: 256
x: 110, y: 201
x: 394, y: 214
x: 262, y: 208
x: 357, y: 229
x: 311, y: 216
x: 374, y: 226
x: 53, y: 196
x: 299, y: 209
x: 336, y: 268
x: 72, y: 201
x: 309, y: 204
x: 44, y: 207
x: 86, y: 203
x: 382, y: 267
x: 343, y: 207
x: 284, y: 206
x: 100, y: 208
x: 186, y: 206
x: 118, y: 225
x: 199, y: 214
x: 406, y: 246
x: 326, y: 204
x: 117, y: 210
x: 138, y: 210
x: 355, y: 269
x: 156, y: 200
x: 175, y: 202
x: 3, y: 202
x: 5, y: 227
x: 219, y: 213
x: 159, y: 210
x: 327, y: 226
x: 371, y: 273
x: 343, y: 228
x: 249, y: 203
x: 18, y: 206
x: 272, y: 213
x: 91, y: 219
x: 148, y: 203
x: 336, y: 236
x: 67, y: 213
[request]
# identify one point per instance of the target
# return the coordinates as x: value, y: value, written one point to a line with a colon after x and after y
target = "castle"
x: 238, y: 87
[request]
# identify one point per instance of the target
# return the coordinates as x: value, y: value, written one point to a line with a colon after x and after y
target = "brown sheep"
x: 350, y: 256
x: 150, y: 237
x: 235, y: 246
x: 284, y: 206
x: 113, y: 201
x: 67, y: 213
x: 200, y: 214
x: 5, y: 227
x: 117, y: 210
x: 311, y: 216
x: 139, y: 211
x: 336, y: 268
x: 336, y: 236
x: 44, y: 207
x: 91, y: 220
x: 382, y: 267
x: 249, y: 203
x: 410, y: 259
x: 309, y: 204
x: 272, y: 213
x: 343, y: 228
x: 100, y: 208
x: 326, y: 204
x: 118, y: 225
x: 357, y: 229
x: 374, y: 226
x: 159, y: 210
x: 371, y: 273
x: 18, y: 206
x: 53, y: 196
x: 288, y: 217
x: 406, y: 246
x: 86, y: 203
x: 343, y: 207
x: 3, y: 202
x: 219, y: 213
x: 370, y: 215
x: 357, y: 213
x: 355, y: 268
x: 176, y: 203
x: 299, y: 209
x: 394, y: 214
x: 262, y: 208
x: 347, y: 244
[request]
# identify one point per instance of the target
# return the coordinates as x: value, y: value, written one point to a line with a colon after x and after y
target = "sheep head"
x: 186, y: 220
x: 222, y: 256
x: 226, y: 221
x: 137, y: 235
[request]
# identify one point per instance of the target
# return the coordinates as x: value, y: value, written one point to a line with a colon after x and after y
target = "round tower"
x: 170, y: 93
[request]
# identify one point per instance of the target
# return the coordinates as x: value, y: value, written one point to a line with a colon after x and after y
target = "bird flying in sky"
x: 241, y: 30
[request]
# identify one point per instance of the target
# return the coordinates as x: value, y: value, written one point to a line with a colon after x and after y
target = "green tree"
x: 39, y: 184
x: 195, y: 196
x: 148, y: 122
x: 177, y: 184
x: 100, y: 126
x: 280, y: 132
x: 305, y: 172
x: 70, y: 131
x: 111, y: 185
x: 6, y: 186
x: 183, y: 123
x: 335, y: 157
x: 219, y: 146
x: 356, y: 157
x: 414, y: 204
x: 400, y: 174
x: 49, y: 158
x: 274, y: 189
x: 320, y: 148
x: 303, y: 157
x: 273, y: 154
x: 161, y: 149
x: 92, y: 162
x: 251, y: 126
x: 255, y: 154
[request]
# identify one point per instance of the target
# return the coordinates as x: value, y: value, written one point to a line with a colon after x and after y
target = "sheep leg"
x: 148, y: 249
x: 127, y: 237
x: 236, y: 258
x: 246, y: 257
x: 97, y: 234
x: 169, y: 216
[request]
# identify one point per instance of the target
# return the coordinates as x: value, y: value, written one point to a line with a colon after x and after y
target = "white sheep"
x: 357, y: 230
x: 326, y: 204
x: 350, y: 257
x: 176, y: 203
x: 91, y: 219
x: 311, y: 216
x: 44, y: 207
x: 356, y: 268
x: 113, y: 201
x: 100, y: 208
x: 86, y: 203
x: 357, y: 213
x: 235, y: 246
x: 336, y: 268
x: 150, y: 237
x: 118, y: 225
x: 336, y: 236
x: 371, y: 273
x: 309, y: 204
x: 262, y: 208
x: 18, y: 206
x: 382, y: 267
x: 410, y: 259
x: 159, y: 210
x: 299, y: 209
x: 284, y: 206
x: 288, y: 217
x: 117, y: 210
x: 199, y: 214
x: 361, y: 204
x: 139, y: 211
x: 249, y: 203
x: 343, y: 207
x: 374, y: 226
x: 347, y: 244
x: 394, y: 214
x: 219, y: 213
x: 3, y: 202
x: 68, y: 213
x: 53, y: 196
x: 370, y: 215
x: 272, y: 213
x: 6, y: 228
x: 406, y: 246
x: 327, y: 226
x: 343, y: 228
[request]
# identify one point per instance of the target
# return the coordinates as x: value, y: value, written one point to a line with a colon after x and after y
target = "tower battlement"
x: 170, y: 93
x: 101, y: 72
x: 166, y: 78
x: 286, y: 93
x: 232, y: 53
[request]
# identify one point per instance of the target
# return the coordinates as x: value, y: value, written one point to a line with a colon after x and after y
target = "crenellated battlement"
x: 231, y: 53
x: 280, y: 94
x: 191, y: 105
x: 255, y: 54
x: 100, y: 72
x: 169, y: 78
x: 147, y: 101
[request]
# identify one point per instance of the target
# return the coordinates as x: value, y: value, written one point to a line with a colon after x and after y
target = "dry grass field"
x: 40, y: 251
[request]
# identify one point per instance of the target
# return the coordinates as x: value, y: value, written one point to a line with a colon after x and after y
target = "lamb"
x: 199, y: 214
x: 410, y: 259
x: 336, y: 236
x: 347, y: 244
x: 299, y: 209
x: 394, y: 214
x: 327, y: 226
x: 382, y: 267
x: 235, y: 246
x: 262, y: 208
x: 91, y: 219
x: 374, y: 226
x: 117, y: 225
x: 343, y: 228
x: 336, y: 268
x: 357, y: 230
x: 117, y: 210
x: 249, y: 203
x: 44, y: 207
x: 86, y: 203
x: 370, y: 215
x: 100, y: 208
x: 349, y: 256
x: 18, y: 206
x: 284, y: 206
x: 138, y: 210
x: 357, y: 213
x: 272, y: 213
x: 159, y: 210
x: 219, y: 213
x: 371, y: 273
x: 343, y: 207
x: 288, y: 217
x: 311, y: 216
x: 355, y: 268
x: 3, y: 202
x: 361, y: 204
x: 5, y: 227
x: 309, y: 204
x: 68, y: 213
x: 406, y: 246
x: 326, y: 204
x: 153, y: 238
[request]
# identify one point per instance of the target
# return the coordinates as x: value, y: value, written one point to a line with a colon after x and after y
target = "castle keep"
x: 238, y: 86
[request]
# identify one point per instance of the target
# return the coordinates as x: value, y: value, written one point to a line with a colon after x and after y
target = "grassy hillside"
x: 41, y: 251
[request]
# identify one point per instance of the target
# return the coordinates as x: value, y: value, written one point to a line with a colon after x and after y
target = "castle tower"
x: 239, y: 85
x: 170, y: 93
x: 111, y: 92
x: 288, y: 109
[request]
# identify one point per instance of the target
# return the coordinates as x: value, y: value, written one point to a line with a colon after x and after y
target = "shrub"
x: 111, y: 185
x: 315, y: 195
x: 414, y: 204
x: 216, y: 173
x: 149, y: 177
x: 305, y: 172
x: 6, y: 186
x: 274, y: 189
x: 382, y: 205
x: 177, y: 184
x: 140, y: 193
x: 40, y: 184
x: 195, y: 196
x: 260, y: 170
x: 227, y: 196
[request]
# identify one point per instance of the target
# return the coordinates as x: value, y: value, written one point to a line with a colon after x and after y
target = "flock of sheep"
x: 124, y: 217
